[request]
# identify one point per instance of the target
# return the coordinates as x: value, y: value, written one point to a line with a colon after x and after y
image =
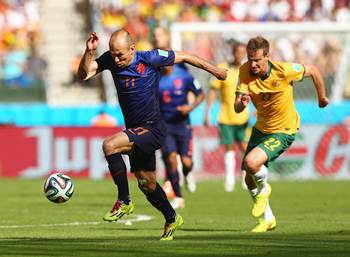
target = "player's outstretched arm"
x: 181, y: 56
x: 241, y: 102
x: 88, y: 66
x: 313, y: 71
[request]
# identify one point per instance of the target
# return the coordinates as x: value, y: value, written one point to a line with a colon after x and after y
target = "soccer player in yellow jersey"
x: 269, y: 85
x: 232, y: 125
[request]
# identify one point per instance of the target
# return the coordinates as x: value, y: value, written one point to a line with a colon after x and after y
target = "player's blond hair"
x: 256, y: 43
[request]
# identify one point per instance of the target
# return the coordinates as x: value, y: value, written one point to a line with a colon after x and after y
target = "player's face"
x: 258, y: 62
x: 122, y: 55
x: 161, y: 38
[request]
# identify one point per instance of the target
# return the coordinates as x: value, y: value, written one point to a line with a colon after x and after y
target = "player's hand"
x: 245, y: 99
x: 323, y: 102
x: 221, y: 74
x: 184, y: 109
x: 92, y: 42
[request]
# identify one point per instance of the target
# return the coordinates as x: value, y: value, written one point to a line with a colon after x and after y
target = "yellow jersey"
x: 272, y: 96
x: 227, y: 89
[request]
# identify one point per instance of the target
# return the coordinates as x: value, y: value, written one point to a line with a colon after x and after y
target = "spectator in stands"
x: 37, y: 66
x: 14, y: 67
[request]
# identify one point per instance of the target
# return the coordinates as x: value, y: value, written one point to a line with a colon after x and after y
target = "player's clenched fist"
x: 323, y: 102
x: 221, y: 74
x: 92, y: 42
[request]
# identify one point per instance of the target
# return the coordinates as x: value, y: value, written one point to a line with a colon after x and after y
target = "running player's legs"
x: 142, y: 160
x: 261, y: 149
x: 113, y: 147
x: 184, y: 142
x: 169, y: 153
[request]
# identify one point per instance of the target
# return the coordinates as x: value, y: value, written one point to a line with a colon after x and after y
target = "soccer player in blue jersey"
x: 174, y: 86
x: 136, y: 77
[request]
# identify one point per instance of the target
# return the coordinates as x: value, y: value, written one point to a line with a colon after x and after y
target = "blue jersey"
x: 173, y: 89
x: 137, y: 85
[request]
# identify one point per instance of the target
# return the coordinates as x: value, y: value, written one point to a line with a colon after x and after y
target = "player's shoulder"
x: 285, y: 67
x: 106, y: 56
x: 152, y: 55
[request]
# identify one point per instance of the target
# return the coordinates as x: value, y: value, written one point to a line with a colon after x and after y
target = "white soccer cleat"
x: 178, y: 202
x: 190, y: 183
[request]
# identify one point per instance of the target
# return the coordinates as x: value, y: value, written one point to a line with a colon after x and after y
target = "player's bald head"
x: 120, y: 39
x: 122, y: 48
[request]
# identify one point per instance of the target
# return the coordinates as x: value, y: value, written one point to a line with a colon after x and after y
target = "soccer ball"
x: 58, y: 188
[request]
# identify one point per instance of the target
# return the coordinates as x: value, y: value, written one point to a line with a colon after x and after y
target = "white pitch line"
x: 125, y: 221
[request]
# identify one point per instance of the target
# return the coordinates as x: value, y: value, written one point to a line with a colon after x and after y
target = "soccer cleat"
x: 178, y: 202
x: 265, y: 225
x: 119, y: 210
x: 261, y: 201
x: 190, y: 183
x: 170, y: 228
x: 168, y: 189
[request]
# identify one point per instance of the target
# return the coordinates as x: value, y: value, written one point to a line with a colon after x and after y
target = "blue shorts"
x: 147, y: 139
x: 178, y: 139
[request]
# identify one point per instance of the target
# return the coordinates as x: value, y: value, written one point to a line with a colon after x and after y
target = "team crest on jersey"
x: 140, y: 68
x: 178, y: 83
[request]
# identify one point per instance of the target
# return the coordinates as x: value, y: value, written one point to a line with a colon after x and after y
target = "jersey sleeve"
x: 104, y: 61
x: 159, y: 58
x: 294, y: 71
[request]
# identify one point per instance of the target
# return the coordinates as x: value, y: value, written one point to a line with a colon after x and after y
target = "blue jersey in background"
x: 173, y: 89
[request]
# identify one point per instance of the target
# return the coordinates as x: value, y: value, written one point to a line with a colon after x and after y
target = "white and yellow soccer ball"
x: 58, y: 188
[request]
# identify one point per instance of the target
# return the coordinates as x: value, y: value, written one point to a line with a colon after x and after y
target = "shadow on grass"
x: 215, y: 243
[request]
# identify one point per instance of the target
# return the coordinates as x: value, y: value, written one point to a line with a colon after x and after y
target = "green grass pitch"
x: 313, y: 219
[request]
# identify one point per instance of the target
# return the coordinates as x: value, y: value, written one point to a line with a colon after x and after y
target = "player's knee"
x: 108, y: 146
x: 251, y: 164
x: 147, y: 186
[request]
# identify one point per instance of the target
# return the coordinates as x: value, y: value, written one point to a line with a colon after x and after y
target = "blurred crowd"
x: 20, y: 31
x: 140, y: 17
x: 20, y: 39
